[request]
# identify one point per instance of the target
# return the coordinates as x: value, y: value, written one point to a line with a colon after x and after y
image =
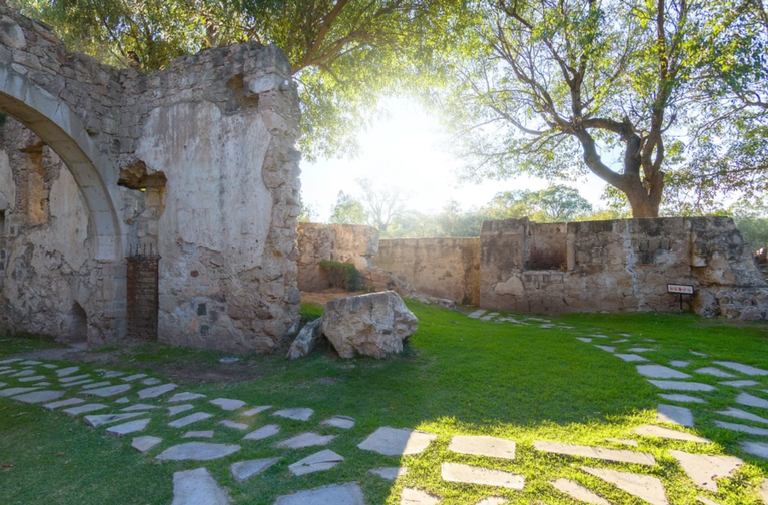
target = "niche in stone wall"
x: 77, y: 321
x: 547, y: 246
x: 152, y: 198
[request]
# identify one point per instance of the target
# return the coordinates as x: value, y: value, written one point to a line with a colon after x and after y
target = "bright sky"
x: 408, y: 149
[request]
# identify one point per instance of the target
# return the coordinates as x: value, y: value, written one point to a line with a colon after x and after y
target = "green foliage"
x: 3, y: 118
x: 347, y: 210
x: 341, y: 275
x: 553, y: 204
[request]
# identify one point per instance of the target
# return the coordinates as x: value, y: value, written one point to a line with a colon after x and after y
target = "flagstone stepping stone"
x: 476, y: 314
x: 681, y: 386
x: 752, y: 401
x: 16, y: 391
x: 63, y: 372
x: 740, y: 414
x: 715, y: 372
x: 493, y: 500
x: 41, y: 384
x: 198, y: 451
x: 456, y: 472
x: 342, y: 422
x: 126, y: 428
x: 227, y: 404
x: 3, y: 384
x: 112, y: 374
x: 490, y: 316
x: 336, y: 494
x: 187, y: 420
x: 84, y: 409
x: 644, y: 487
x: 143, y: 444
x: 742, y: 428
x: 138, y: 406
x: 64, y: 403
x: 585, y: 451
x: 649, y: 430
x: 764, y: 491
x: 183, y: 397
x: 97, y: 385
x: 7, y: 371
x: 661, y: 372
x: 295, y: 414
x: 323, y: 460
x: 679, y: 363
x: 397, y: 442
x: 740, y: 383
x: 390, y: 472
x: 758, y: 449
x: 306, y: 440
x: 706, y: 501
x: 623, y: 441
x: 681, y: 398
x: 491, y: 447
x: 245, y: 469
x: 77, y: 383
x: 623, y: 340
x: 640, y: 349
x: 98, y: 420
x: 233, y: 424
x: 122, y: 400
x: 151, y: 381
x: 134, y: 377
x: 73, y: 378
x: 252, y: 412
x: 599, y: 335
x: 745, y: 369
x: 269, y: 430
x: 178, y: 409
x: 584, y: 339
x: 675, y: 415
x: 197, y: 487
x: 606, y: 348
x: 32, y: 379
x: 198, y: 434
x: 413, y: 496
x: 38, y: 396
x: 107, y: 391
x: 578, y: 492
x: 31, y: 362
x: 703, y: 469
x: 631, y: 357
x: 50, y: 366
x: 24, y: 373
x: 156, y: 391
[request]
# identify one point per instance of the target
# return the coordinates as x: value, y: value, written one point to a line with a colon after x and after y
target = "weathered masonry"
x: 195, y: 163
x: 620, y: 265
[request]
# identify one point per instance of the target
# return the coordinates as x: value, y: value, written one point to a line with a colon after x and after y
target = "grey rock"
x: 64, y: 403
x: 455, y: 472
x: 491, y: 447
x: 758, y: 449
x: 343, y: 494
x: 187, y: 420
x: 126, y: 428
x: 108, y: 391
x: 156, y: 391
x: 307, y: 339
x: 97, y: 385
x: 584, y: 339
x: 16, y: 391
x: 578, y: 492
x: 617, y: 455
x: 269, y: 430
x: 112, y: 374
x: 745, y: 369
x: 739, y: 383
x: 138, y: 406
x: 295, y: 414
x: 134, y: 377
x: 306, y: 440
x: 681, y: 398
x: 714, y: 372
x: 77, y: 383
x: 197, y: 451
x: 178, y: 409
x: 342, y: 422
x: 659, y: 432
x: 397, y: 442
x: 681, y: 386
x: 122, y: 400
x: 390, y: 472
x: 661, y: 372
x: 245, y: 469
x: 323, y: 460
x: 32, y: 379
x: 143, y: 444
x: 413, y: 496
x: 752, y: 401
x: 742, y: 428
x: 151, y: 381
x: 740, y: 414
x: 197, y: 487
x: 233, y: 424
x: 63, y: 372
x: 38, y: 396
x: 184, y: 397
x: 74, y: 378
x: 11, y: 34
x: 606, y: 348
x: 99, y: 420
x: 675, y: 415
x: 703, y: 469
x: 198, y: 434
x: 227, y: 404
x: 631, y: 357
x: 84, y: 409
x: 24, y: 373
x: 644, y: 487
x: 476, y: 314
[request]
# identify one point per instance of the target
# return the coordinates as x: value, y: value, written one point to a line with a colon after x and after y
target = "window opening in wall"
x: 78, y: 324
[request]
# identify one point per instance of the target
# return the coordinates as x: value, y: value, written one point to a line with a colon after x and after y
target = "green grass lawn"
x: 458, y: 376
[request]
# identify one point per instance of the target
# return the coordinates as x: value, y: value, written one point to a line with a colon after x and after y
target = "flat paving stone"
x: 306, y: 440
x: 32, y: 379
x: 187, y: 420
x: 741, y: 414
x: 64, y: 403
x: 492, y: 500
x: 31, y: 362
x: 397, y: 442
x: 38, y: 396
x: 631, y: 357
x: 63, y: 372
x: 134, y: 377
x: 456, y: 472
x: 578, y: 492
x: 703, y: 469
x: 98, y: 420
x: 138, y: 406
x: 267, y: 431
x: 491, y: 447
x: 764, y: 491
x: 336, y: 494
x: 198, y: 451
x: 295, y: 414
x: 111, y: 374
x: 16, y: 391
x: 584, y: 339
x: 714, y: 372
x: 641, y: 349
x: 178, y: 409
x: 184, y: 397
x: 650, y: 430
x: 342, y: 422
x: 745, y: 369
x: 151, y: 381
x: 197, y: 487
x: 740, y: 383
x: 661, y: 372
x: 476, y: 314
x: 233, y: 424
x: 679, y: 363
x: 126, y: 428
x: 84, y: 409
x: 108, y: 391
x: 742, y: 428
x: 97, y: 385
x: 681, y: 398
x: 752, y: 401
x: 681, y: 386
x: 77, y: 383
x: 255, y: 410
x: 156, y: 391
x: 24, y: 373
x: 228, y: 404
x: 41, y: 384
x: 758, y: 449
x: 323, y: 460
x: 123, y: 400
x: 413, y: 496
x: 585, y: 451
x: 676, y: 415
x: 389, y: 472
x: 644, y: 487
x: 143, y: 444
x: 606, y: 348
x: 245, y: 469
x: 706, y: 501
x: 74, y: 378
x: 198, y: 434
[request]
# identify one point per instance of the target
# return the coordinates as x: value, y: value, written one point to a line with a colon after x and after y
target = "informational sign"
x: 680, y: 289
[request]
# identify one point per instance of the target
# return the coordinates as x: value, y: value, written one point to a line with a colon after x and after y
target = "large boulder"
x: 307, y: 340
x: 372, y: 325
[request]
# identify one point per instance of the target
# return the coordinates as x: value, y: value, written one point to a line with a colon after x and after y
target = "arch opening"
x: 77, y: 325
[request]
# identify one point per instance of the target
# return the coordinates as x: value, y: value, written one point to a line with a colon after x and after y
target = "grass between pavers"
x: 458, y: 376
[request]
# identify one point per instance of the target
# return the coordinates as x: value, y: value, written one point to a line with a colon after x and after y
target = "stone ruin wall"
x: 593, y: 266
x: 199, y: 165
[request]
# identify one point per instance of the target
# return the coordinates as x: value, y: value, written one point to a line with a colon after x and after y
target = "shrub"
x: 341, y: 275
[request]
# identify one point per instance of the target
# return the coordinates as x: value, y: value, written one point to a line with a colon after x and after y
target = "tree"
x: 555, y: 203
x: 382, y: 202
x: 347, y: 210
x: 616, y: 84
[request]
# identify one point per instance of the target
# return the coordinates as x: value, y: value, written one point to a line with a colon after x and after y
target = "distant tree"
x: 307, y: 213
x: 752, y: 221
x: 382, y: 202
x: 555, y: 203
x: 347, y: 210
